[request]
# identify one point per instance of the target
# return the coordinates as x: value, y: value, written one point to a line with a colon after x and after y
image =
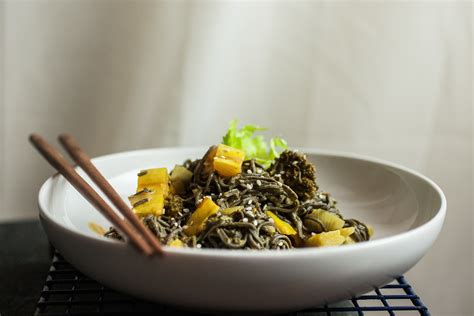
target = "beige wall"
x: 387, y: 79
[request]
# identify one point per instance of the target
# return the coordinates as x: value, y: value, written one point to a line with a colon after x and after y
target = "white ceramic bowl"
x: 406, y: 209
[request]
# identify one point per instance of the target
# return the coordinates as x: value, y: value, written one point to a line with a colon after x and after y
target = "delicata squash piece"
x: 180, y: 178
x: 349, y: 240
x: 346, y: 232
x: 320, y: 220
x: 333, y: 238
x: 281, y: 226
x: 370, y: 230
x: 197, y: 220
x: 228, y: 160
x: 156, y: 179
x: 176, y: 243
x: 148, y: 201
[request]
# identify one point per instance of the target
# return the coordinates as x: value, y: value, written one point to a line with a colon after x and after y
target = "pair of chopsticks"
x: 134, y: 229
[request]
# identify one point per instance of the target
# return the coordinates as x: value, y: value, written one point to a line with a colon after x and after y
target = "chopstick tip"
x: 64, y: 136
x: 34, y: 138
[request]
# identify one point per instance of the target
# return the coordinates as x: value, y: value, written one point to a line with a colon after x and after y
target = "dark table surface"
x: 25, y: 257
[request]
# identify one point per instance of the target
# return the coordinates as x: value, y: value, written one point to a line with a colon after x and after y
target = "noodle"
x: 252, y: 193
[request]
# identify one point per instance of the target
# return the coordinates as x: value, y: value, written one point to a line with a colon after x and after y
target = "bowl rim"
x: 435, y: 222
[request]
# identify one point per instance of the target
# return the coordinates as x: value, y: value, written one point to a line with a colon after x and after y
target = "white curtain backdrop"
x: 387, y: 79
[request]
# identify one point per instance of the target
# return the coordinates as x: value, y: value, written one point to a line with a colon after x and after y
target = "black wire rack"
x: 68, y: 292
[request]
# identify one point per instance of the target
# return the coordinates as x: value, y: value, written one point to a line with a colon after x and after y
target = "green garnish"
x: 255, y: 146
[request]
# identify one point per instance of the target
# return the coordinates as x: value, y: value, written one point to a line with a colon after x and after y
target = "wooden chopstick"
x: 84, y: 161
x: 63, y: 167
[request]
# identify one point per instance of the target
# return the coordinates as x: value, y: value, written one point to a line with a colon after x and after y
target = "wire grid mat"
x: 68, y: 292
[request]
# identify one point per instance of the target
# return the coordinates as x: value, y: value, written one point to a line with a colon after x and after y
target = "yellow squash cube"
x: 332, y: 238
x: 281, y: 226
x: 346, y: 232
x: 180, y: 178
x: 147, y: 202
x: 197, y: 220
x: 370, y: 230
x: 228, y: 160
x: 176, y: 243
x: 153, y: 179
x: 320, y: 220
x: 349, y: 240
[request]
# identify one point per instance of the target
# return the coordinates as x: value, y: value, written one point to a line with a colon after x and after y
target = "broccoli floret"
x: 297, y: 173
x: 173, y: 204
